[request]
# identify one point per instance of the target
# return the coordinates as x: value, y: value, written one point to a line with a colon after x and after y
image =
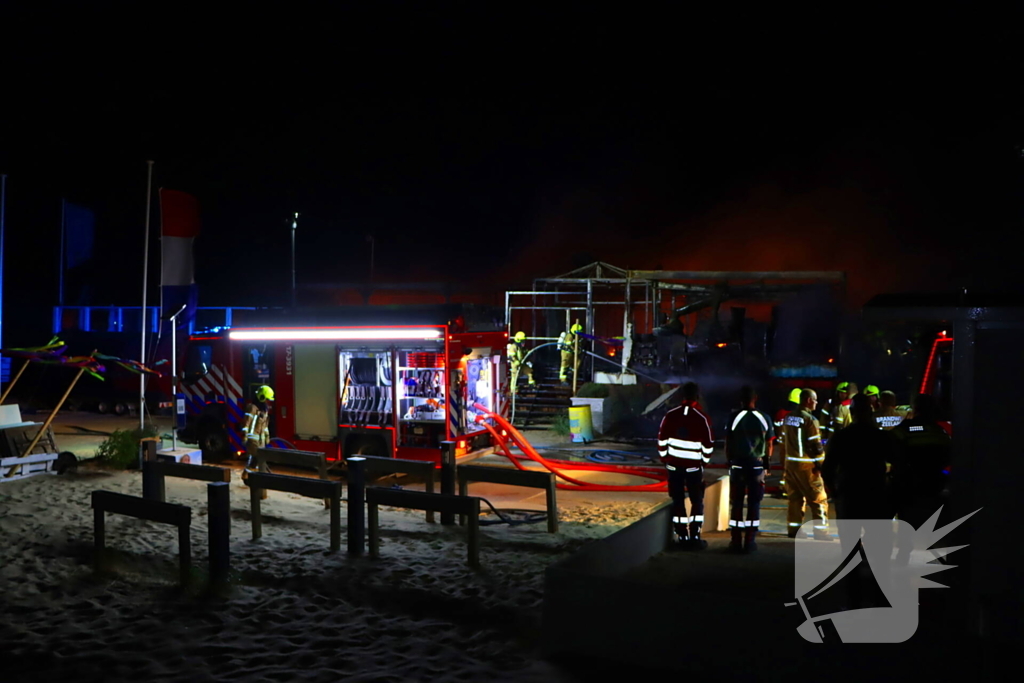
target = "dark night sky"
x: 493, y: 147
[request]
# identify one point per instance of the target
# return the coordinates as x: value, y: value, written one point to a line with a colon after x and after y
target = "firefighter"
x: 919, y: 473
x: 804, y: 455
x: 887, y: 416
x: 871, y: 391
x: 257, y: 426
x: 567, y: 347
x: 839, y: 414
x: 516, y: 354
x: 748, y: 448
x: 792, y: 403
x: 685, y: 444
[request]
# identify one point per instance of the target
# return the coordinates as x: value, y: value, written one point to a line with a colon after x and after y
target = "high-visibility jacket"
x: 566, y: 341
x: 746, y: 442
x: 840, y: 417
x: 780, y: 433
x: 257, y: 425
x: 514, y: 351
x: 803, y: 438
x: 684, y: 438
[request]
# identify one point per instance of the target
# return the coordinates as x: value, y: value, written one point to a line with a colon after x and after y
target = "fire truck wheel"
x: 214, y: 443
x: 120, y: 408
x: 103, y: 407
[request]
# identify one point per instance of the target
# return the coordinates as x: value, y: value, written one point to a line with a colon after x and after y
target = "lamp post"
x: 295, y: 224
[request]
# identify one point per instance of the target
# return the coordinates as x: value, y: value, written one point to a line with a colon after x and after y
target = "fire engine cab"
x: 391, y: 391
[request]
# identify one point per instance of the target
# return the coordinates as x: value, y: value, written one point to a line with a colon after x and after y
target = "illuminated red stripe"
x: 926, y: 383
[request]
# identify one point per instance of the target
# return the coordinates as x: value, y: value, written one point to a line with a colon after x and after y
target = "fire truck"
x: 390, y: 390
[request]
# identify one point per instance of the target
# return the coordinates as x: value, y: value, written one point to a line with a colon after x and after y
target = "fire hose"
x: 510, y: 433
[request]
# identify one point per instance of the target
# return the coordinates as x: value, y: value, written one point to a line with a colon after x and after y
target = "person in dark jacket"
x: 855, y: 471
x: 685, y: 444
x: 748, y: 446
x: 919, y: 470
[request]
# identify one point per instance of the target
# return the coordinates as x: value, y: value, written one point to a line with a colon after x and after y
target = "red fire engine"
x: 392, y: 391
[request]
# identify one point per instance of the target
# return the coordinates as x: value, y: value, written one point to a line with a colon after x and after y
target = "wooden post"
x: 218, y: 497
x: 257, y: 522
x: 13, y: 382
x: 46, y: 425
x: 448, y: 477
x: 373, y: 522
x: 152, y: 479
x: 463, y: 490
x: 356, y: 505
x: 474, y: 535
x: 552, y: 508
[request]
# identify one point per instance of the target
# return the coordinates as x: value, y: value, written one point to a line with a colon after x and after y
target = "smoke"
x: 839, y: 228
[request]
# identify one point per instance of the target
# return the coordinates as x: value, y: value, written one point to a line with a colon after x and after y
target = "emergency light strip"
x: 332, y: 335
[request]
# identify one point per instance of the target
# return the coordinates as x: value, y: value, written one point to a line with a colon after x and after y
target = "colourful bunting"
x: 52, y: 354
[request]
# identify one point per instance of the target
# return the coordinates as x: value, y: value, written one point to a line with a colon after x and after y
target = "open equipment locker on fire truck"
x: 391, y: 391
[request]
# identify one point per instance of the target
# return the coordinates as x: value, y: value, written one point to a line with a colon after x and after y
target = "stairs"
x: 538, y: 405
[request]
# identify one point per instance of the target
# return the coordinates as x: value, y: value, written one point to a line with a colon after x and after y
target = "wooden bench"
x: 154, y: 472
x: 308, y: 460
x: 510, y: 477
x: 376, y: 466
x: 417, y: 500
x: 140, y: 508
x: 311, y: 488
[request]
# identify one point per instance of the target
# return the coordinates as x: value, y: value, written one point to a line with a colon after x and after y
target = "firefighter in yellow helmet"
x: 792, y: 403
x: 257, y: 426
x: 516, y: 353
x: 871, y: 391
x: 567, y: 347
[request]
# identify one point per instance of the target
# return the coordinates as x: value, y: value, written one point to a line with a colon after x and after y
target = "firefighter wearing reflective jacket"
x: 839, y: 413
x: 685, y: 444
x: 515, y: 352
x: 804, y: 455
x: 257, y: 425
x: 748, y: 448
x: 792, y: 403
x: 567, y: 347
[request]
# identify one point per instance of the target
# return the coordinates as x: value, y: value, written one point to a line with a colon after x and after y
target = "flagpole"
x: 145, y: 283
x: 3, y: 208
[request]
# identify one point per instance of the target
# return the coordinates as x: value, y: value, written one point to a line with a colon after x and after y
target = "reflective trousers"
x: 745, y: 481
x: 680, y: 483
x: 805, y: 487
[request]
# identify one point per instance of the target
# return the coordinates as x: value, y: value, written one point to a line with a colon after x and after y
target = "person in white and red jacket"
x: 685, y: 444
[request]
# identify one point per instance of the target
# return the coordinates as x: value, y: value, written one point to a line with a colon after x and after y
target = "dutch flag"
x: 179, y: 226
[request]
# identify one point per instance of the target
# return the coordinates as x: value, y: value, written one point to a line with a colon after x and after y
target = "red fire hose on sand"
x: 512, y: 434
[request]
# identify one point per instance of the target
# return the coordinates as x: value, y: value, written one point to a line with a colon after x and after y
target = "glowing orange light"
x: 831, y: 360
x: 721, y: 345
x: 462, y: 444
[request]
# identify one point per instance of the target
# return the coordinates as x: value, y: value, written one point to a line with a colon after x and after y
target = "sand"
x: 294, y: 611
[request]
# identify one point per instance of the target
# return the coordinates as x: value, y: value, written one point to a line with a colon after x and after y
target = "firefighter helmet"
x: 264, y: 394
x: 843, y: 386
x: 576, y: 328
x: 871, y: 390
x: 520, y: 336
x: 794, y: 396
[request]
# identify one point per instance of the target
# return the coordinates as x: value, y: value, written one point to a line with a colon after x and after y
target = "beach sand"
x: 294, y: 611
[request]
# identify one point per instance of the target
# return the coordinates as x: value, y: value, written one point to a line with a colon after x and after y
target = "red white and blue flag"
x: 179, y: 226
